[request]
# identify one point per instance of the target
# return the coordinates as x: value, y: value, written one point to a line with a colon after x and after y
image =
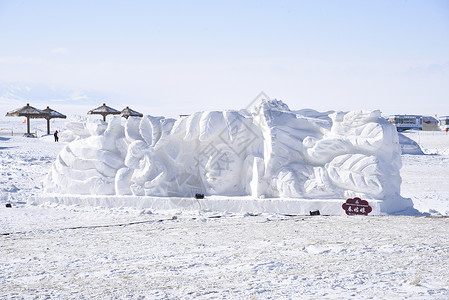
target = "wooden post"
x: 48, y: 126
x: 28, y: 124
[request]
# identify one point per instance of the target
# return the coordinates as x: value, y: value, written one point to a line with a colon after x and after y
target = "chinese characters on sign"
x: 356, y: 206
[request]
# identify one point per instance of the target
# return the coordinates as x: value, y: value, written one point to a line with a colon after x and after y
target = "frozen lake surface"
x: 79, y: 252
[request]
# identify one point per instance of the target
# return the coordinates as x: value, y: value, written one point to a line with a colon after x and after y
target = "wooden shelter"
x: 29, y: 112
x: 128, y: 112
x: 104, y: 111
x: 51, y: 115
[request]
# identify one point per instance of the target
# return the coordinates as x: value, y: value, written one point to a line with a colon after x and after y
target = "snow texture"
x: 409, y: 146
x: 268, y: 152
x: 82, y: 252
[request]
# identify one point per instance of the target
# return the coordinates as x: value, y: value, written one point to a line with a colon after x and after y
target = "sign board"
x: 356, y: 206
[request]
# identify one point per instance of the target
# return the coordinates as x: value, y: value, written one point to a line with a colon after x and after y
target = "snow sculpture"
x: 268, y: 152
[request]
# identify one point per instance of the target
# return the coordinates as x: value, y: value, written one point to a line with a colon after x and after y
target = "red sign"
x: 357, y: 206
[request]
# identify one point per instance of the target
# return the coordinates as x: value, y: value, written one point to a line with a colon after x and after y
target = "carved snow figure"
x: 270, y: 151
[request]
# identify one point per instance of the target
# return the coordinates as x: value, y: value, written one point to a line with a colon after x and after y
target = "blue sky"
x: 176, y: 57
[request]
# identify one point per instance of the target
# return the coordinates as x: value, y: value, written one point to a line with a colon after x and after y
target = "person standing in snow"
x: 56, y: 136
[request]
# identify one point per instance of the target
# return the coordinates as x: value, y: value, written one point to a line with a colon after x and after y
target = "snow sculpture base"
x: 289, y: 206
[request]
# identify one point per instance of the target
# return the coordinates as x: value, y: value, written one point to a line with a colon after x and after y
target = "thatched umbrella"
x: 128, y: 112
x: 28, y: 112
x: 104, y: 111
x: 51, y: 115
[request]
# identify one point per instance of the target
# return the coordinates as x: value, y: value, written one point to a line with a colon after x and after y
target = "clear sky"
x: 174, y: 57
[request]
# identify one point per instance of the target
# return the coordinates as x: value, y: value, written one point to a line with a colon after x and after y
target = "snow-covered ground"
x: 79, y: 252
x: 425, y: 178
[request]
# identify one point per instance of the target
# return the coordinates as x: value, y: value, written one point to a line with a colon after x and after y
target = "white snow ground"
x: 425, y: 178
x: 61, y: 251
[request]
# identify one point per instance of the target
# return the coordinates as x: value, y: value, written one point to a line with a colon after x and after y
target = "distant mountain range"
x: 41, y: 95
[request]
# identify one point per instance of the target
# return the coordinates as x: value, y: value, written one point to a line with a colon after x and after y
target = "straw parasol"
x: 128, y: 112
x: 104, y: 111
x: 51, y: 115
x: 29, y: 112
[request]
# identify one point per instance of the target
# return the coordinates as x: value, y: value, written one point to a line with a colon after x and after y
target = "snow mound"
x: 409, y: 146
x: 268, y: 152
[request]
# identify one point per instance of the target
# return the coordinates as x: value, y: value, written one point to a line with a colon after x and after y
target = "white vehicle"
x: 444, y: 122
x: 430, y: 123
x: 405, y: 122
